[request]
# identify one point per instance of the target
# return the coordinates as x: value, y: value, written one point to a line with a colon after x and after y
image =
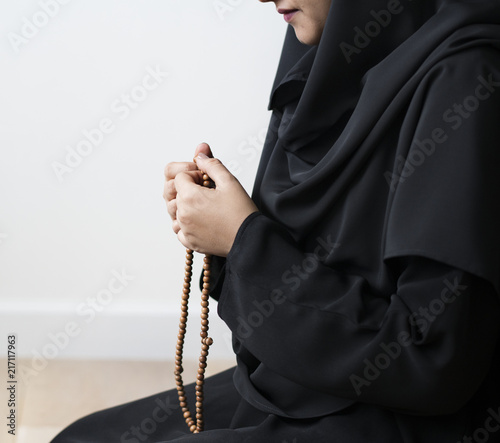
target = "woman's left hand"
x: 208, y: 219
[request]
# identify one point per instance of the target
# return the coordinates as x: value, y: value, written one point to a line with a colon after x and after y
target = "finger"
x: 181, y: 237
x: 186, y: 179
x: 176, y: 227
x: 172, y: 209
x: 215, y: 169
x: 174, y: 168
x: 169, y: 191
x: 203, y: 148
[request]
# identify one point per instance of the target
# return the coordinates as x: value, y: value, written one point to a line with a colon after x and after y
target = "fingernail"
x: 201, y: 155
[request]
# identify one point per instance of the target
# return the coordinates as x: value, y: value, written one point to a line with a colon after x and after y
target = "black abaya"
x: 363, y: 297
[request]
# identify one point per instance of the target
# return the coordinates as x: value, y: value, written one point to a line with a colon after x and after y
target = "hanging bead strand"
x: 195, y: 424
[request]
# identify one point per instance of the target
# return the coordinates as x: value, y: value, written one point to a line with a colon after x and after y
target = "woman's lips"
x: 288, y: 14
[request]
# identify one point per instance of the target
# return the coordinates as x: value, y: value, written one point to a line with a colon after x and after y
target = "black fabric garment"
x: 363, y: 296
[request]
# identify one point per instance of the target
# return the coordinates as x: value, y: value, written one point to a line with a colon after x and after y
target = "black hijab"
x: 368, y: 78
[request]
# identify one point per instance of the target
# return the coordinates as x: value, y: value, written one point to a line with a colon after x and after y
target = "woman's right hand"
x: 171, y: 171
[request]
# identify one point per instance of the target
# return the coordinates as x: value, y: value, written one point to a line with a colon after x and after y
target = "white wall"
x: 64, y: 235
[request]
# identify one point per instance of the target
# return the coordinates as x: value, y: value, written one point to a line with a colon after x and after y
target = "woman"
x: 361, y: 281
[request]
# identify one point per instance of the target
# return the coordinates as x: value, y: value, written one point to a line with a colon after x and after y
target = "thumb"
x: 218, y: 173
x: 203, y: 148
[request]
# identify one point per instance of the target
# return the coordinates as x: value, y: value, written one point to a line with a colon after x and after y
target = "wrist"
x: 235, y: 243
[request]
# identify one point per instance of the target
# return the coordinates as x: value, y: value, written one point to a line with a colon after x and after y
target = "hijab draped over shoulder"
x: 374, y: 75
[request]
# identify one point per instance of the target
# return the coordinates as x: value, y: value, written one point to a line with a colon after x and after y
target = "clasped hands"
x: 205, y: 220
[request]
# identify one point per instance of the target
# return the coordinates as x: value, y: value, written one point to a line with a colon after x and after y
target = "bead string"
x: 195, y: 425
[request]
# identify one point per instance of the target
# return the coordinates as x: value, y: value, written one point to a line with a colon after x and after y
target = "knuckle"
x: 172, y: 169
x: 191, y: 241
x: 213, y: 161
x: 168, y: 191
x: 188, y: 197
x: 179, y: 176
x: 175, y: 227
x: 172, y: 209
x: 171, y: 191
x: 168, y: 170
x: 186, y: 239
x: 182, y: 216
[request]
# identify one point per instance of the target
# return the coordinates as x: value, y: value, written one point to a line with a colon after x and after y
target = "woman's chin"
x: 306, y: 36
